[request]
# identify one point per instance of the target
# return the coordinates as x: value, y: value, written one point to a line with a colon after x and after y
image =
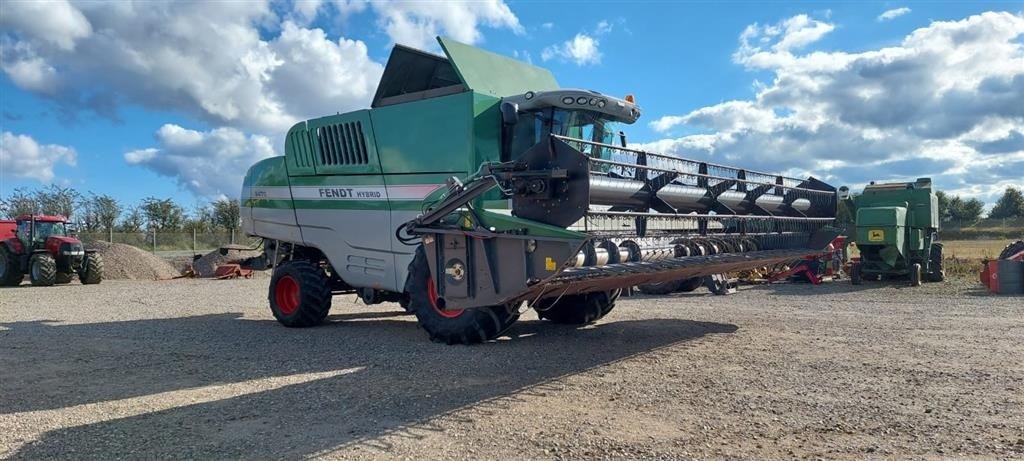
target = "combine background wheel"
x: 660, y: 288
x: 690, y: 284
x: 468, y: 326
x: 299, y: 294
x: 915, y: 275
x: 577, y: 309
x: 42, y: 270
x: 937, y: 272
x: 9, y: 273
x: 92, y: 269
x: 856, y: 277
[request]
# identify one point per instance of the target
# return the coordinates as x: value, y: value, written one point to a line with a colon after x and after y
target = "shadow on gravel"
x: 402, y: 378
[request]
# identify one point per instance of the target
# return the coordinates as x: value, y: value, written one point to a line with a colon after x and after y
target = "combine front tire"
x: 42, y: 270
x: 577, y: 309
x: 452, y: 326
x: 10, y: 274
x: 937, y: 272
x: 299, y: 294
x: 92, y: 269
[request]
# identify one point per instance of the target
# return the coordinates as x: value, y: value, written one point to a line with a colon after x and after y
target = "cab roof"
x: 41, y: 218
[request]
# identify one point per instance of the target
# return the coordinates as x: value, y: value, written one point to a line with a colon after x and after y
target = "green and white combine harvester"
x: 475, y: 188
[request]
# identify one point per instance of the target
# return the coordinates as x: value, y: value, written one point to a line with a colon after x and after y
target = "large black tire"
x: 690, y: 284
x: 937, y: 272
x: 467, y: 326
x: 856, y: 278
x: 915, y: 275
x: 1012, y: 249
x: 577, y: 309
x: 92, y: 269
x: 42, y: 270
x: 660, y: 288
x: 10, y: 273
x: 299, y: 294
x: 62, y: 278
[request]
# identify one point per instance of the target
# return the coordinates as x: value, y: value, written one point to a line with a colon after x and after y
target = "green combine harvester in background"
x: 897, y: 227
x: 475, y: 188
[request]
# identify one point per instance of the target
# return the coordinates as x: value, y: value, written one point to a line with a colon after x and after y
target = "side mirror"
x: 844, y: 193
x: 509, y: 113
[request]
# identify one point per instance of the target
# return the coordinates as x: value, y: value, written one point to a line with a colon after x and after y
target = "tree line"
x: 102, y: 212
x: 1009, y: 205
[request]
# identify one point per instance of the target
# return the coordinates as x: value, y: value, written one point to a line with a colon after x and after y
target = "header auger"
x: 475, y: 185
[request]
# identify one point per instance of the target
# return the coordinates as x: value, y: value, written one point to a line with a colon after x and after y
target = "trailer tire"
x: 299, y: 294
x: 856, y: 278
x: 690, y: 284
x: 92, y: 269
x: 660, y: 288
x: 577, y: 309
x: 937, y: 272
x: 1011, y: 249
x: 42, y: 270
x: 915, y: 275
x: 469, y: 326
x: 10, y: 273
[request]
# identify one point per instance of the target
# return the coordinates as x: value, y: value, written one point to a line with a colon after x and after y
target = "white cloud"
x: 947, y: 102
x: 547, y: 25
x: 582, y: 50
x: 56, y: 23
x: 603, y: 27
x: 23, y: 157
x: 417, y: 23
x: 206, y: 163
x: 892, y: 14
x: 207, y: 60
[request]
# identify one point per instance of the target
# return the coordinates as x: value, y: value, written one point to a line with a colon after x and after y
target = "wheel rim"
x: 286, y: 293
x: 432, y: 294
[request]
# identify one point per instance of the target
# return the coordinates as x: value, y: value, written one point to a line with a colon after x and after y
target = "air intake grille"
x: 342, y: 144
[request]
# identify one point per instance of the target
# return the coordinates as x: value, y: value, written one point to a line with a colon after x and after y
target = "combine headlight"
x: 581, y: 100
x: 528, y: 95
x: 593, y: 101
x: 567, y: 100
x: 601, y: 103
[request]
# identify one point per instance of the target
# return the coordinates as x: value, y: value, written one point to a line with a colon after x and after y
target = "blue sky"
x: 175, y: 100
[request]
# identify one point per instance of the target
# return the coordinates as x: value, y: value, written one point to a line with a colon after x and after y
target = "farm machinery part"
x: 1005, y: 274
x: 897, y: 227
x: 42, y: 248
x: 475, y: 185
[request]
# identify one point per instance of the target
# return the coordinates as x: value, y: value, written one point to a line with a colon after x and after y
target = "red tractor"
x: 42, y: 248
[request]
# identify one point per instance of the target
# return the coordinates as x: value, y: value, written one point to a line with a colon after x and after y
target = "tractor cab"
x: 36, y: 231
x: 42, y: 248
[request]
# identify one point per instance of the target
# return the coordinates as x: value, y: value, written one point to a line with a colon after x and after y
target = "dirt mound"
x: 125, y: 262
x: 207, y: 265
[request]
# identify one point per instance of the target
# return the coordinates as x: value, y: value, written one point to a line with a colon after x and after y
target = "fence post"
x: 232, y: 236
x: 111, y: 230
x: 154, y: 240
x: 193, y: 240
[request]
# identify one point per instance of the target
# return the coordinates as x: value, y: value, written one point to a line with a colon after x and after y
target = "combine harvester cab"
x: 475, y: 184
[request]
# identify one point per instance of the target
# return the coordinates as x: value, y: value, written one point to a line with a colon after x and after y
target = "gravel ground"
x: 199, y: 369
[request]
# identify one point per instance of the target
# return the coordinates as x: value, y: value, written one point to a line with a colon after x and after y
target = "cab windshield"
x: 579, y: 124
x: 43, y: 230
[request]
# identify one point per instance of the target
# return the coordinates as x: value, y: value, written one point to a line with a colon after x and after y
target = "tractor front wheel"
x: 915, y: 275
x: 42, y: 270
x: 299, y: 294
x: 577, y: 309
x: 452, y: 326
x: 62, y: 278
x: 10, y: 273
x: 92, y: 269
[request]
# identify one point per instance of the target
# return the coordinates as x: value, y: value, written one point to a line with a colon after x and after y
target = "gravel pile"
x: 125, y: 262
x: 207, y: 265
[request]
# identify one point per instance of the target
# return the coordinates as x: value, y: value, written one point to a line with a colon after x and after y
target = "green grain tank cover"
x: 494, y: 74
x: 882, y: 216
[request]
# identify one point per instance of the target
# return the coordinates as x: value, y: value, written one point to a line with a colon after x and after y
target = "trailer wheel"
x: 92, y: 269
x: 690, y: 284
x: 937, y: 272
x: 577, y: 309
x: 467, y: 326
x: 660, y: 288
x: 915, y: 275
x: 855, y: 274
x: 299, y: 294
x: 10, y: 273
x: 42, y: 270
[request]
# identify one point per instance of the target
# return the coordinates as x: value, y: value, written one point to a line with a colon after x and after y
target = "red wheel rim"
x: 432, y: 294
x: 286, y: 294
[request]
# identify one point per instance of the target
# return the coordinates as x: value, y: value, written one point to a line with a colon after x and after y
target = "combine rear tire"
x: 577, y: 309
x: 660, y: 288
x: 467, y: 326
x: 915, y: 275
x: 42, y: 270
x: 299, y: 294
x: 10, y: 274
x: 92, y: 269
x: 937, y: 272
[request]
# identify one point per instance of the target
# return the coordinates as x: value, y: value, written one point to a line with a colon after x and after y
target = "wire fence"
x: 169, y: 242
x: 1007, y: 228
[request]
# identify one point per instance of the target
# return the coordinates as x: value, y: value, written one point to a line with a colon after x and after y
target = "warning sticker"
x: 550, y: 264
x: 876, y: 235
